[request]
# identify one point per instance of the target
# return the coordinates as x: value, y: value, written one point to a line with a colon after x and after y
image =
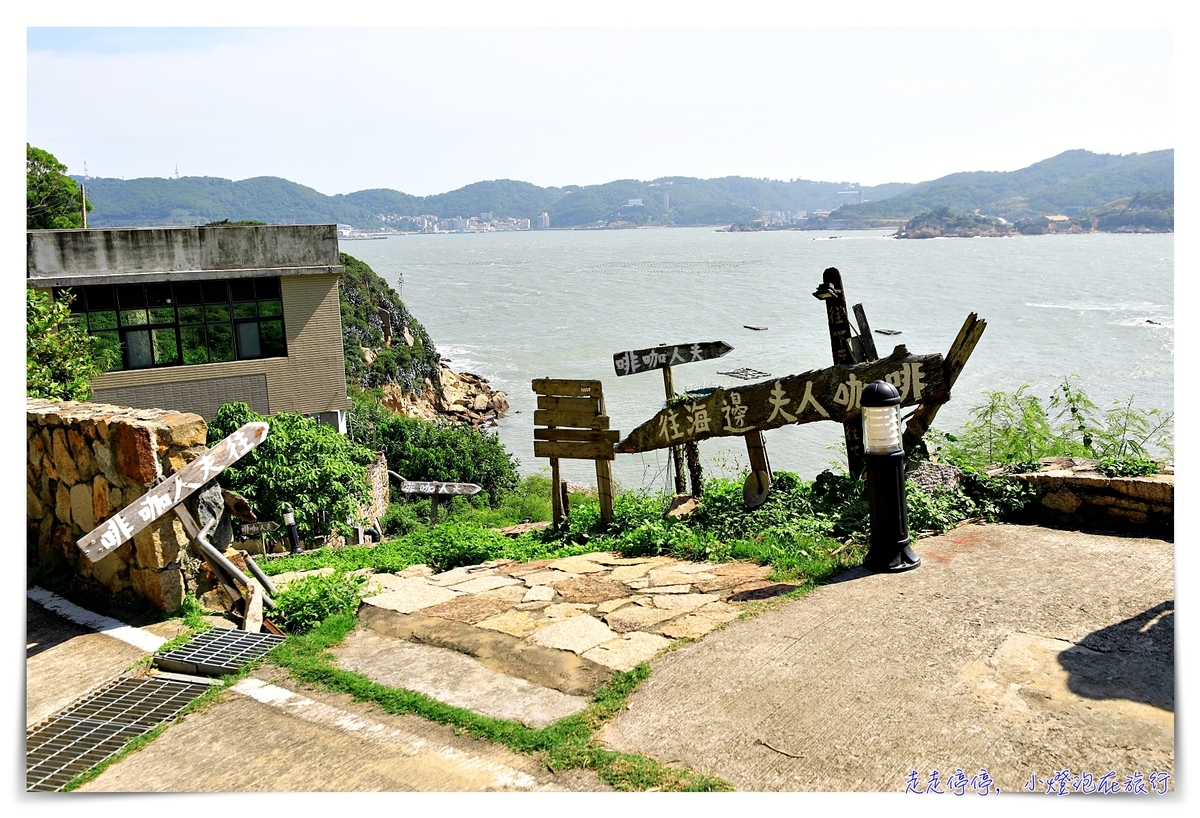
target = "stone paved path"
x: 599, y: 612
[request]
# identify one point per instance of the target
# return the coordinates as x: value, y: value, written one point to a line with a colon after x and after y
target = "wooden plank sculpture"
x: 822, y: 394
x: 575, y: 427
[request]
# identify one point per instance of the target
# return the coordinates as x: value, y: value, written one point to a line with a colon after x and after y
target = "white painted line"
x: 104, y: 624
x: 329, y: 716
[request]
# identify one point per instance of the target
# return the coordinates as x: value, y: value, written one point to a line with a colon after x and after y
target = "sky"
x: 426, y: 110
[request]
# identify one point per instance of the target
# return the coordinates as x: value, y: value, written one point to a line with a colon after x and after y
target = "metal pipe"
x: 220, y: 559
x: 260, y: 576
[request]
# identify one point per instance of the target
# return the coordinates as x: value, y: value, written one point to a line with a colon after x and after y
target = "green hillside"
x: 1068, y: 183
x: 200, y: 200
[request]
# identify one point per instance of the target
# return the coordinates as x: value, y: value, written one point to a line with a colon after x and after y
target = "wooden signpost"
x: 435, y: 489
x: 823, y: 394
x: 576, y: 427
x: 664, y: 357
x: 165, y: 496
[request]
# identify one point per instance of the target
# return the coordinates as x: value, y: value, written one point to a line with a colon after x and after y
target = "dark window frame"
x: 225, y: 316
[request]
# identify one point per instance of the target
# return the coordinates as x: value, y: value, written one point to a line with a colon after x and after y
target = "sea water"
x: 512, y: 307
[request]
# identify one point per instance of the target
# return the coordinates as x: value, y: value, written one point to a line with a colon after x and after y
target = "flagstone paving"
x: 609, y: 612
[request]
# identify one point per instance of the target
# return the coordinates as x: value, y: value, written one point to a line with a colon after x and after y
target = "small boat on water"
x: 888, y: 331
x: 754, y: 327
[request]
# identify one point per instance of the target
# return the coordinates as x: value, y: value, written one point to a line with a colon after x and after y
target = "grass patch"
x: 566, y: 744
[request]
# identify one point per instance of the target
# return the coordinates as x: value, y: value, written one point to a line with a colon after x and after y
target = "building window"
x: 185, y: 322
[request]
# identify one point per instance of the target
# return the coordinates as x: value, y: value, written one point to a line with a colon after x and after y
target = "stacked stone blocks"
x: 87, y: 461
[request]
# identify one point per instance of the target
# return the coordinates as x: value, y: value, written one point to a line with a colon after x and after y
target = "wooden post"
x: 756, y: 448
x: 864, y: 333
x: 832, y: 293
x: 604, y: 480
x: 964, y: 344
x: 692, y: 449
x: 604, y: 488
x: 556, y: 504
x: 433, y: 509
x: 676, y: 451
x: 566, y: 498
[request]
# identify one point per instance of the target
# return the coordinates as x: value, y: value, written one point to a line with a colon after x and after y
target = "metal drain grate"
x: 217, y: 652
x: 89, y: 731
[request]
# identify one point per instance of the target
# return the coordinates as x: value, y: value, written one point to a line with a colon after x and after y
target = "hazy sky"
x: 425, y: 110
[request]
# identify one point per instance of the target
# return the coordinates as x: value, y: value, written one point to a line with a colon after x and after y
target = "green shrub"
x: 399, y: 519
x: 321, y: 474
x: 308, y: 601
x: 1015, y: 429
x: 1129, y: 466
x: 61, y: 359
x: 423, y: 450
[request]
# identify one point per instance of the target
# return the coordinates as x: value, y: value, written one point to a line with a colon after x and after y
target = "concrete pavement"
x: 1019, y: 650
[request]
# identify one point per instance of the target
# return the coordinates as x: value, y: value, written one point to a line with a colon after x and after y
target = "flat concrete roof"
x: 64, y: 258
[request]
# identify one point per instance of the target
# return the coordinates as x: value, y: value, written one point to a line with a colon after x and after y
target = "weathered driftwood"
x: 165, y: 496
x: 866, y: 339
x: 822, y: 394
x: 956, y: 358
x: 833, y: 293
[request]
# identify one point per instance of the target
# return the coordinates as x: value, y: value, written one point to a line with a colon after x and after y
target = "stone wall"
x: 89, y: 460
x: 1071, y: 492
x: 377, y: 477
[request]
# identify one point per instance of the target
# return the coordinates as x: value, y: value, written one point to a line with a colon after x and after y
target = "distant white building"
x: 543, y: 221
x: 634, y: 203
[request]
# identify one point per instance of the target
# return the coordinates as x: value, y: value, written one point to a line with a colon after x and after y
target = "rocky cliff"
x: 464, y: 398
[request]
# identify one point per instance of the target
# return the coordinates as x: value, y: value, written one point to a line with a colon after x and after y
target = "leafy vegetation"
x: 308, y: 601
x: 319, y: 473
x: 942, y: 222
x: 1016, y: 429
x: 375, y: 319
x: 425, y: 450
x: 61, y: 359
x: 808, y: 531
x: 52, y: 198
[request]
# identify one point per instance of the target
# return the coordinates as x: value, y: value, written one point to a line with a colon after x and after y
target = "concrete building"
x: 201, y: 316
x: 544, y: 221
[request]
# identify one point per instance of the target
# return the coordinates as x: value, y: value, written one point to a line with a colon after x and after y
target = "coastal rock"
x: 464, y: 398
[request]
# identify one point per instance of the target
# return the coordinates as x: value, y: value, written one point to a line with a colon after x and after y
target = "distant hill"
x: 677, y: 200
x: 1069, y: 183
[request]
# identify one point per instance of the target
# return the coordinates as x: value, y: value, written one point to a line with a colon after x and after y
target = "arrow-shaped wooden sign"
x: 822, y: 394
x: 641, y: 360
x: 432, y: 487
x: 166, y: 495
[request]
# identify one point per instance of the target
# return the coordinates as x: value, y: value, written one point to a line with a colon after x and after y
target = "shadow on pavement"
x: 1133, y: 659
x: 45, y: 630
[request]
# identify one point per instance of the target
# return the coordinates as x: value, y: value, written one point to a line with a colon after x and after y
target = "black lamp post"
x: 884, y: 458
x: 289, y: 520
